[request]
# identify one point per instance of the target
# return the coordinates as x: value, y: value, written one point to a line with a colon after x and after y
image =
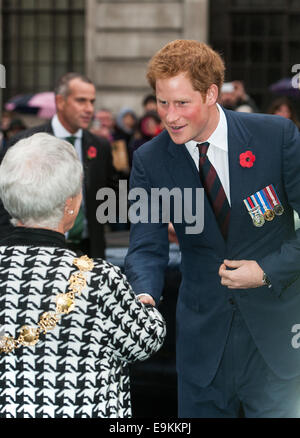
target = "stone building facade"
x: 112, y: 41
x: 117, y: 39
x: 121, y: 36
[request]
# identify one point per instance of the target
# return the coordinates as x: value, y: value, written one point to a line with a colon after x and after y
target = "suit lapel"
x: 239, y: 141
x: 84, y: 147
x: 182, y: 166
x: 49, y: 127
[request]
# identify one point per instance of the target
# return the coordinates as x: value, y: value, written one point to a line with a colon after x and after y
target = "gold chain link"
x: 65, y: 303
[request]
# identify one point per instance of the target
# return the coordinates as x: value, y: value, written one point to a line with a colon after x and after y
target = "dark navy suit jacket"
x: 204, y: 312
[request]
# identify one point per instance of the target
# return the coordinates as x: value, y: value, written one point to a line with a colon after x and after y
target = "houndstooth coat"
x: 79, y: 369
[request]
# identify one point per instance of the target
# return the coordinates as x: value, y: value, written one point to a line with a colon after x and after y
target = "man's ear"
x: 59, y: 101
x: 212, y: 94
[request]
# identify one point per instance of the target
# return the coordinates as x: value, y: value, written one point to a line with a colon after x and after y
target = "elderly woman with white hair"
x: 69, y: 325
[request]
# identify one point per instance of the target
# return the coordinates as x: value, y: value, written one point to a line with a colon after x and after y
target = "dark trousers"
x: 243, y: 386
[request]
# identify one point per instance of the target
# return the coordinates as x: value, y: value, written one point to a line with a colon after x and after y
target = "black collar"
x: 21, y: 236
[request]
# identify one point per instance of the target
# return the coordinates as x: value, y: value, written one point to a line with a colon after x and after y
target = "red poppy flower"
x: 92, y: 152
x: 247, y: 159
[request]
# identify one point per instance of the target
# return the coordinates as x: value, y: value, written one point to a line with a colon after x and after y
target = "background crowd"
x: 120, y: 135
x: 128, y: 130
x: 133, y: 129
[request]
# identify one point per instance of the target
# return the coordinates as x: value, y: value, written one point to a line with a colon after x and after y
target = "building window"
x: 259, y: 43
x: 42, y: 39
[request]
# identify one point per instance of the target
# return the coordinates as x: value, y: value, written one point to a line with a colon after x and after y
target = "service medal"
x: 278, y: 210
x: 269, y: 215
x: 258, y: 220
x: 265, y: 206
x: 254, y: 211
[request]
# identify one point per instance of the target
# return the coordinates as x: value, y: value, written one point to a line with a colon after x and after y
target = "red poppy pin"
x: 247, y: 159
x: 91, y: 152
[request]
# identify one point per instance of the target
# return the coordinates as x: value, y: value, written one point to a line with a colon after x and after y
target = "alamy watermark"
x: 296, y: 338
x: 2, y: 76
x: 154, y: 206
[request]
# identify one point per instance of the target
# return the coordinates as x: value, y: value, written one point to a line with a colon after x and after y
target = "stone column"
x: 196, y: 20
x: 90, y: 36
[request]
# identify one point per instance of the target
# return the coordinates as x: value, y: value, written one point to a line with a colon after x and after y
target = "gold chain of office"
x: 65, y: 303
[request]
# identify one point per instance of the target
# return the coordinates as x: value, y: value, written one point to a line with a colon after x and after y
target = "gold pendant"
x: 84, y: 263
x: 48, y: 321
x: 77, y: 282
x: 28, y: 335
x: 7, y: 344
x: 64, y: 303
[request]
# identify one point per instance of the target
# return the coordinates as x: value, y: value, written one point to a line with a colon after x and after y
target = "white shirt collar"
x: 60, y: 131
x: 218, y: 138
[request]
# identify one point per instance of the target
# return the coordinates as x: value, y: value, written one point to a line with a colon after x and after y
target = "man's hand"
x: 146, y: 299
x: 242, y: 274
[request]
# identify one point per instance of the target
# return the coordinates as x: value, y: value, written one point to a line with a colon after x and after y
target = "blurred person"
x: 237, y: 344
x: 125, y: 125
x: 69, y: 326
x: 6, y: 118
x: 75, y: 98
x: 284, y: 107
x: 103, y: 124
x: 149, y: 103
x: 126, y: 122
x: 15, y: 127
x: 234, y: 97
x: 227, y: 96
x: 244, y: 102
x: 149, y: 126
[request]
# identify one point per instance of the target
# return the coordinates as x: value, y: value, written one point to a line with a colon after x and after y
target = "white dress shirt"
x: 60, y: 132
x: 217, y: 152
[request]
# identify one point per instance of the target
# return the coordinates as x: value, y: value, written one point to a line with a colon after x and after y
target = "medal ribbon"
x: 269, y: 198
x: 264, y: 200
x: 273, y: 196
x: 249, y: 204
x: 259, y: 202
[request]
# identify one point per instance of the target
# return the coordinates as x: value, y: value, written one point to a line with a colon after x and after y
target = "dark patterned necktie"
x: 75, y: 233
x: 214, y: 189
x: 71, y: 139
